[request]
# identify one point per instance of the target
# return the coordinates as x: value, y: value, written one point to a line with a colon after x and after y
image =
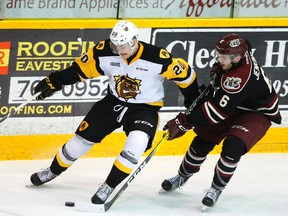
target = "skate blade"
x: 162, y: 191
x: 30, y: 185
x: 89, y: 207
x: 204, y: 208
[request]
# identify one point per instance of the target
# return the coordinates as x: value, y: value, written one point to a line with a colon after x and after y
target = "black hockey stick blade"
x: 90, y: 207
x: 20, y: 107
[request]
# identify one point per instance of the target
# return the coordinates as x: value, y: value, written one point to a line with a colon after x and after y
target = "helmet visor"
x: 222, y: 57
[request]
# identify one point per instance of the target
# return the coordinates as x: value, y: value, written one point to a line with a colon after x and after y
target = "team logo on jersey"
x: 232, y: 84
x: 83, y: 126
x: 164, y: 54
x: 100, y: 45
x: 126, y: 87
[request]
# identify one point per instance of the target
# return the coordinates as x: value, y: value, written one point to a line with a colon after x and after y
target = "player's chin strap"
x: 90, y: 207
x: 20, y: 106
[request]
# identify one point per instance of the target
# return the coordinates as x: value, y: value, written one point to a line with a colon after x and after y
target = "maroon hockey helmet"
x: 232, y: 44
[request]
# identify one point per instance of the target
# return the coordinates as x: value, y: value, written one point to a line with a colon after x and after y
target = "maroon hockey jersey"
x: 244, y: 87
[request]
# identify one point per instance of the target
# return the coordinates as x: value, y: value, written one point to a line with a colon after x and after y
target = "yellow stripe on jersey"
x: 121, y: 167
x: 157, y: 103
x: 87, y: 64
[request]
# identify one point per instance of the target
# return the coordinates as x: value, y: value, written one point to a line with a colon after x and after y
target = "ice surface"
x: 258, y: 187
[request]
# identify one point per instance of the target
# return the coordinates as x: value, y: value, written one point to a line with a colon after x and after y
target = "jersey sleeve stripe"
x: 209, y: 114
x: 187, y: 81
x: 272, y: 107
x: 212, y: 114
x: 271, y: 110
x: 214, y: 110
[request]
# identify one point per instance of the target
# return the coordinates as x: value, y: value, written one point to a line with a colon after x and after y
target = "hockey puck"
x: 70, y: 204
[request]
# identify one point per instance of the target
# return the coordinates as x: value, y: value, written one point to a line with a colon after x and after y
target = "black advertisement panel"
x: 269, y: 45
x: 27, y: 56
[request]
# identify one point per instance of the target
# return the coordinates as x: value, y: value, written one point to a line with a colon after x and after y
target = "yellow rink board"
x: 31, y: 147
x: 142, y: 23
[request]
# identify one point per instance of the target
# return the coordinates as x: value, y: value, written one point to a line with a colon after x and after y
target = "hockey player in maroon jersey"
x: 136, y: 71
x: 238, y: 110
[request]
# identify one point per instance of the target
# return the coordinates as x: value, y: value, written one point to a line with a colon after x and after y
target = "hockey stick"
x: 20, y: 106
x: 203, y: 93
x: 90, y: 207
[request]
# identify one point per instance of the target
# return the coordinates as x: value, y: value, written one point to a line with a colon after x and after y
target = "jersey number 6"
x: 224, y: 101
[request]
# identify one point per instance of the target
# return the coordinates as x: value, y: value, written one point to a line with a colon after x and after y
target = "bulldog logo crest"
x: 127, y: 87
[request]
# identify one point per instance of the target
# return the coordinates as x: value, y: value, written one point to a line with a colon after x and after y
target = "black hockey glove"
x: 216, y: 72
x: 48, y: 86
x: 177, y: 127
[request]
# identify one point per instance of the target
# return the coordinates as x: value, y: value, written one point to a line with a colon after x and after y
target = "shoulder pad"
x: 103, y: 48
x: 155, y: 54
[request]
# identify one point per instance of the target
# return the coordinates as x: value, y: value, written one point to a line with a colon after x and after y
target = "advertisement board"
x: 55, y: 9
x: 27, y: 56
x: 196, y: 45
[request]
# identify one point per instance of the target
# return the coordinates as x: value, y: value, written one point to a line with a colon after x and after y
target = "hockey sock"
x: 61, y: 161
x: 191, y: 163
x: 224, y: 171
x: 56, y: 168
x: 195, y: 156
x: 115, y: 177
x: 69, y: 153
x: 232, y: 150
x: 135, y: 146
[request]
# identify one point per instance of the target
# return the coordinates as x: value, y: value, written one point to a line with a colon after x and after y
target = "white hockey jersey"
x: 138, y: 79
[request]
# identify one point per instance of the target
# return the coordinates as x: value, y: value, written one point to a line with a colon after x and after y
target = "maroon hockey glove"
x: 177, y: 127
x: 48, y: 86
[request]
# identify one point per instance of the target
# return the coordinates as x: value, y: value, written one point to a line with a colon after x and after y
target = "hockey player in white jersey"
x: 136, y: 71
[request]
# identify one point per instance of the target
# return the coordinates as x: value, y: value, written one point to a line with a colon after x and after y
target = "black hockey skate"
x: 173, y: 183
x: 102, y: 194
x: 210, y: 198
x: 42, y: 177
